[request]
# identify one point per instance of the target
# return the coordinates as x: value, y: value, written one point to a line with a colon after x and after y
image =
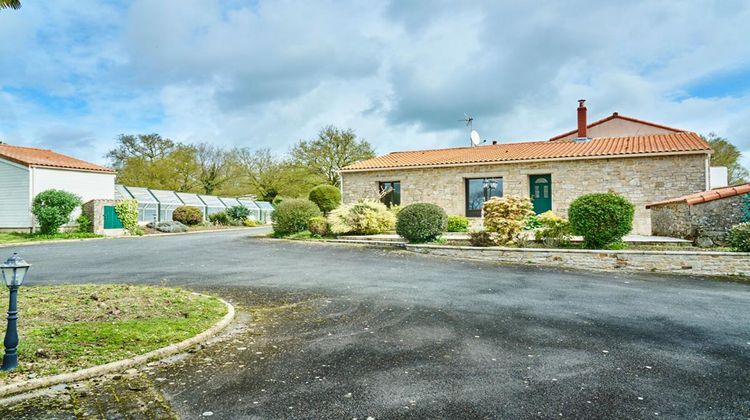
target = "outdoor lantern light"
x: 14, y: 271
x: 489, y: 185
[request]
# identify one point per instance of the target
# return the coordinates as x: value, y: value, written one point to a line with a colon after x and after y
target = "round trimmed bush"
x: 292, y: 215
x: 421, y: 222
x: 601, y: 218
x: 188, y: 215
x: 52, y: 209
x: 738, y: 237
x: 326, y: 196
x: 318, y: 226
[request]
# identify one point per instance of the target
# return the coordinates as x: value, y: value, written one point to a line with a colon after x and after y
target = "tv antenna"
x: 468, y: 119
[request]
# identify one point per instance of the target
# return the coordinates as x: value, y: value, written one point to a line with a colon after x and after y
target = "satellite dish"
x: 475, y: 139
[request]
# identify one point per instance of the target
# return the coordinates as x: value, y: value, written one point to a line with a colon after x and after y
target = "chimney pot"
x: 582, y: 129
x: 494, y: 142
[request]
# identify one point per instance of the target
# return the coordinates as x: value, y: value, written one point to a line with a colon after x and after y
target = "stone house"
x: 703, y: 217
x: 644, y: 161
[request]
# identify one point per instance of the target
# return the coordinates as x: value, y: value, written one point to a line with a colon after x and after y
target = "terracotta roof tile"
x: 30, y: 156
x: 621, y: 117
x: 539, y: 150
x: 706, y: 196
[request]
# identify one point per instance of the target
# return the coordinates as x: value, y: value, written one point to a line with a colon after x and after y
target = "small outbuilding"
x: 703, y: 217
x: 27, y: 171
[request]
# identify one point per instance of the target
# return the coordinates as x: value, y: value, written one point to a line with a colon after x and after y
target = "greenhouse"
x: 266, y: 209
x: 168, y: 202
x: 213, y: 204
x: 148, y: 206
x: 254, y: 209
x: 158, y: 205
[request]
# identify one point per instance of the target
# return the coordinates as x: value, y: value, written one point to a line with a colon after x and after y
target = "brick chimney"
x: 582, y: 119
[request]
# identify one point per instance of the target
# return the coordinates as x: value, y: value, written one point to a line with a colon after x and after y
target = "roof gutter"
x: 504, y: 162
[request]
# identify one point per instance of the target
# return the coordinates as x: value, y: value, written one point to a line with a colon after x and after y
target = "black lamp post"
x: 14, y: 270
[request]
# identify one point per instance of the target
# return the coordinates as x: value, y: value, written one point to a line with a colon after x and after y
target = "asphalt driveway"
x: 386, y: 334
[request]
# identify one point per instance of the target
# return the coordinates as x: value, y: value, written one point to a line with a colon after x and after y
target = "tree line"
x: 152, y: 161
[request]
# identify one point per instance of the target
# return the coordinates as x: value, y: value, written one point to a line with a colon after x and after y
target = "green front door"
x: 111, y: 221
x: 541, y: 192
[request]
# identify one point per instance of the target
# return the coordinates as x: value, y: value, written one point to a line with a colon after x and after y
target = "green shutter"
x: 111, y: 221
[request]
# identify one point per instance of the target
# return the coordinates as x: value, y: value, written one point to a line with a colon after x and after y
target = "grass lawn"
x: 67, y: 328
x: 31, y: 237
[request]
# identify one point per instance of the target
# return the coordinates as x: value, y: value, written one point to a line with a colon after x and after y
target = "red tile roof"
x: 30, y: 156
x: 676, y: 143
x: 706, y: 196
x: 621, y: 117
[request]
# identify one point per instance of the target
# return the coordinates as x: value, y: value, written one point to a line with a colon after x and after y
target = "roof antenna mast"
x: 473, y: 134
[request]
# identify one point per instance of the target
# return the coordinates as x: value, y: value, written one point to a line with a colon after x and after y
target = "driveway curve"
x: 387, y: 334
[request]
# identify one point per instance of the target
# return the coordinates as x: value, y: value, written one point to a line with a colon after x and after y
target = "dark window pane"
x: 390, y: 193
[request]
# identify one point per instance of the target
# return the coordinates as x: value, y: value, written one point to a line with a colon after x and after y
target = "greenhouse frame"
x: 158, y: 205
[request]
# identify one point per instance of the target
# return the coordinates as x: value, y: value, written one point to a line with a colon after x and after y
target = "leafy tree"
x: 149, y: 147
x: 214, y: 166
x: 727, y: 154
x: 330, y: 151
x: 10, y: 4
x: 267, y: 176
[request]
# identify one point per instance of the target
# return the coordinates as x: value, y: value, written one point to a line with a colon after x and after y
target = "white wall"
x: 719, y: 176
x: 14, y: 195
x: 86, y: 185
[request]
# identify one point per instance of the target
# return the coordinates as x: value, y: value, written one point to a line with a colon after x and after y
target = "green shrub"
x: 52, y: 209
x: 318, y: 226
x: 738, y: 237
x: 127, y: 212
x: 506, y: 216
x: 188, y: 215
x: 361, y: 218
x: 458, y: 224
x: 292, y: 215
x: 421, y: 222
x: 238, y: 213
x: 601, y: 218
x: 555, y: 231
x: 532, y: 222
x: 219, y: 218
x: 278, y: 200
x: 326, y: 196
x: 84, y: 223
x: 395, y: 209
x: 481, y: 238
x: 249, y: 223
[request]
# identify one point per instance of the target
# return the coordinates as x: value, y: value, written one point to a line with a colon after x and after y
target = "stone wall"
x: 94, y: 209
x: 642, y: 180
x: 675, y: 262
x: 706, y: 223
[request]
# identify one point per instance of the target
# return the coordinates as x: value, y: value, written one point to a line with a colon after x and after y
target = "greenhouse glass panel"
x: 191, y: 199
x: 213, y: 204
x: 121, y: 193
x: 266, y: 210
x: 254, y: 210
x: 168, y: 202
x: 148, y: 207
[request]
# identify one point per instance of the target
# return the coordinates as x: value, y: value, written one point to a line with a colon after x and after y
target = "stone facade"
x: 642, y: 180
x: 706, y: 223
x: 673, y: 262
x: 94, y: 209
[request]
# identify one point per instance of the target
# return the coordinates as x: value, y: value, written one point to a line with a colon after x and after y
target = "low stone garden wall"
x: 675, y: 262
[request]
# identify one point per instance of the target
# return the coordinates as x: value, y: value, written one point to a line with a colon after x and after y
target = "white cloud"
x: 76, y: 74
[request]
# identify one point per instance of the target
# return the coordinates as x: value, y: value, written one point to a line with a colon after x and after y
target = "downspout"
x: 708, y: 171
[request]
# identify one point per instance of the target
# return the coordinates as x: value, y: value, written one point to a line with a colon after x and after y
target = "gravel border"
x: 79, y: 375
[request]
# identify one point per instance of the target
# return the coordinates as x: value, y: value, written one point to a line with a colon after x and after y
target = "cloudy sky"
x: 76, y: 73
